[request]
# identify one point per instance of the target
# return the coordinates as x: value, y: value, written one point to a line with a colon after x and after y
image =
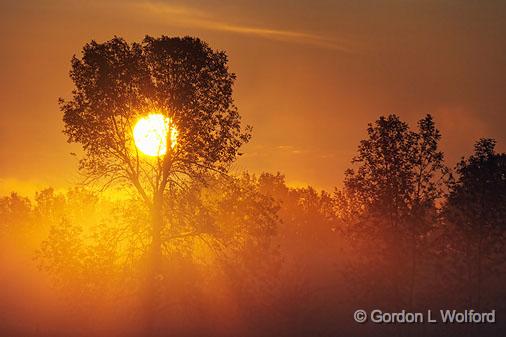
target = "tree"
x: 476, y: 206
x: 311, y: 250
x: 182, y: 78
x: 391, y: 196
x: 15, y: 211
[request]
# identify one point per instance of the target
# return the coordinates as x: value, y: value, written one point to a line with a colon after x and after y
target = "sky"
x: 310, y: 75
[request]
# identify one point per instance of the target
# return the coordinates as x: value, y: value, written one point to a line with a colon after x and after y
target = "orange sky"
x: 311, y: 74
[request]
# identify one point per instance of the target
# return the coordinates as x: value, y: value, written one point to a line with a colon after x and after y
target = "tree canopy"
x: 183, y: 78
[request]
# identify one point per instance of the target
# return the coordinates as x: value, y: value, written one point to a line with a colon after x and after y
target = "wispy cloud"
x: 192, y: 17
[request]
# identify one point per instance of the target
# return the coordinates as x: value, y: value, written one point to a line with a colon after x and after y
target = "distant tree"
x: 311, y: 249
x: 15, y: 211
x: 390, y: 197
x: 182, y: 78
x: 49, y: 207
x: 476, y: 210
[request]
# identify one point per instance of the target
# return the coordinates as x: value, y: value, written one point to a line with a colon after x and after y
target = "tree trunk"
x: 154, y: 279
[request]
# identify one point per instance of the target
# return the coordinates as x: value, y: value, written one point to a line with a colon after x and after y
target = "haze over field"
x: 253, y: 169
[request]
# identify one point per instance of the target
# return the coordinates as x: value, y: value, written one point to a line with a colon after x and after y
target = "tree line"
x: 196, y: 250
x: 404, y: 231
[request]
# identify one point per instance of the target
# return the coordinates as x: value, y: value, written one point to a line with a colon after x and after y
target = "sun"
x: 151, y: 132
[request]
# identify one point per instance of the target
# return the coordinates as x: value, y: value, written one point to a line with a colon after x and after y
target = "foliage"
x: 475, y: 212
x: 183, y: 78
x: 253, y: 256
x: 390, y: 199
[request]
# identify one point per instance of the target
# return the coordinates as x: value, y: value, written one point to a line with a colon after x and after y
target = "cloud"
x: 192, y: 17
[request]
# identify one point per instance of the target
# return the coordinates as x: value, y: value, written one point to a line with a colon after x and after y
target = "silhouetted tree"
x: 183, y: 78
x: 476, y: 210
x: 390, y: 198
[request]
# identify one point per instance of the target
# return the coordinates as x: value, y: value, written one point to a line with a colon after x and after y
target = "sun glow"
x: 151, y: 132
